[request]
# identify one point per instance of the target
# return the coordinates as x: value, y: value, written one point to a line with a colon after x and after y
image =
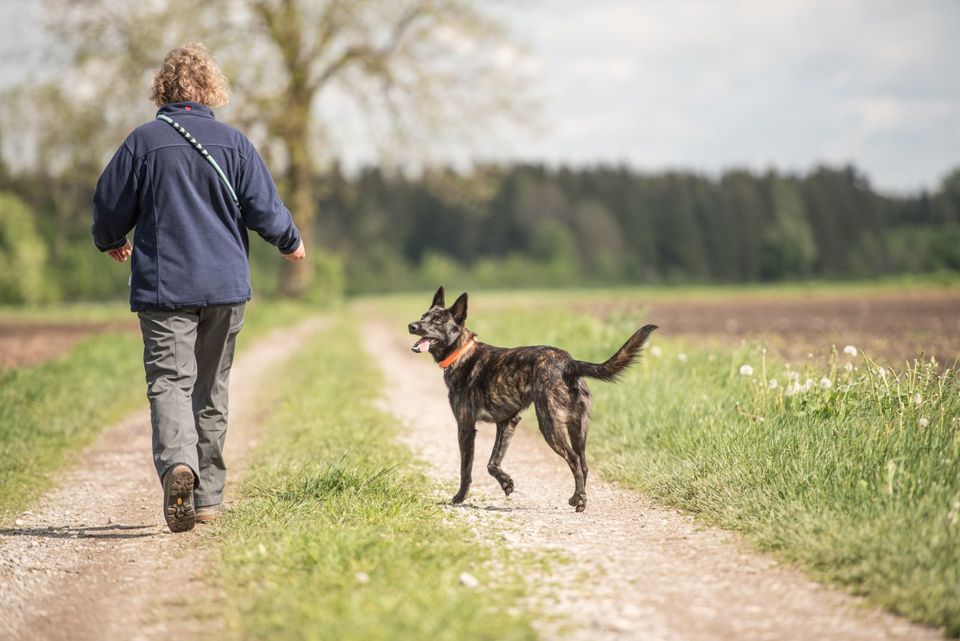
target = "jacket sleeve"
x: 115, y: 202
x: 261, y: 207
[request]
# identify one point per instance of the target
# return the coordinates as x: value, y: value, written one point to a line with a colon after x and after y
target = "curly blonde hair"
x: 189, y: 73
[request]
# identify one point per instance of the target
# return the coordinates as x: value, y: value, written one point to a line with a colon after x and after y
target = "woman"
x: 190, y: 271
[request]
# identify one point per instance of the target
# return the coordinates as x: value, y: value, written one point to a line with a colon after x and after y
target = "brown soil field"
x: 890, y: 327
x: 25, y: 343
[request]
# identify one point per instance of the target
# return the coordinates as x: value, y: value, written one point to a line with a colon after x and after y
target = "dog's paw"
x: 578, y: 501
x: 507, y: 486
x: 458, y: 499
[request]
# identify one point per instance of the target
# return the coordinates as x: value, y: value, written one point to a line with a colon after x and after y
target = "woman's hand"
x: 296, y: 255
x: 121, y: 254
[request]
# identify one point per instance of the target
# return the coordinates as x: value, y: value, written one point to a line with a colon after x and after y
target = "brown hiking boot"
x: 209, y: 513
x: 178, y: 498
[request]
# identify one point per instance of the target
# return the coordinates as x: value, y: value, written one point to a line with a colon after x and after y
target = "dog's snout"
x: 413, y: 327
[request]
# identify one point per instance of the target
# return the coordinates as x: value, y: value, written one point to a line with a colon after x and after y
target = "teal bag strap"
x: 203, y: 152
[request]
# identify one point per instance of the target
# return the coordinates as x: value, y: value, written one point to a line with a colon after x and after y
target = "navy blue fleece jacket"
x: 191, y: 246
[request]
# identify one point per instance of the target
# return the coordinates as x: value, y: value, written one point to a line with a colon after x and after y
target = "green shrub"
x: 22, y: 253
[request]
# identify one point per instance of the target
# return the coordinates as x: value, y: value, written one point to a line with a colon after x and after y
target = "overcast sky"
x: 710, y: 84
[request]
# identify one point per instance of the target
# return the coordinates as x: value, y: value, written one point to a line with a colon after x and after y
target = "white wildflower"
x: 808, y: 385
x: 773, y: 384
x: 848, y: 367
x: 682, y: 357
x: 917, y: 399
x: 362, y: 577
x: 656, y: 351
x: 793, y: 389
x: 825, y: 383
x: 467, y: 580
x: 850, y: 350
x: 746, y: 370
x: 923, y: 422
x: 794, y: 376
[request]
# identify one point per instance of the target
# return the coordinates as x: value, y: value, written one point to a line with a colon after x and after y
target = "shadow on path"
x: 115, y: 532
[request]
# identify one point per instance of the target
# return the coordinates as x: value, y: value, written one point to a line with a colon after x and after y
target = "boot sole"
x: 178, y: 507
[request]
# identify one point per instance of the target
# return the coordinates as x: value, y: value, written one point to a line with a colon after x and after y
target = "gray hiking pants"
x: 187, y: 355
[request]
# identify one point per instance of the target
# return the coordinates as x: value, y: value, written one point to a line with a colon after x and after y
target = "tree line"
x: 535, y: 225
x: 531, y: 225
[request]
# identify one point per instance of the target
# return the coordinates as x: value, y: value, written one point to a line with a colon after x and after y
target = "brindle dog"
x: 494, y: 384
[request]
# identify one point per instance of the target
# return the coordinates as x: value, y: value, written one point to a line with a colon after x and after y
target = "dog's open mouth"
x: 422, y: 344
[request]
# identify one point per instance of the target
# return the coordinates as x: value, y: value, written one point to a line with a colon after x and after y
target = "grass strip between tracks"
x: 336, y: 534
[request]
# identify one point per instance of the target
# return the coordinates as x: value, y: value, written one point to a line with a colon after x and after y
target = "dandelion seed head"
x: 682, y: 357
x: 794, y: 376
x: 848, y: 367
x: 850, y: 350
x: 793, y: 389
x: 656, y: 351
x: 923, y: 422
x: 746, y: 370
x: 825, y: 383
x: 773, y: 384
x: 917, y: 399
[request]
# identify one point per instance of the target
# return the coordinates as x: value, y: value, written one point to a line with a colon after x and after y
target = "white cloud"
x: 707, y: 84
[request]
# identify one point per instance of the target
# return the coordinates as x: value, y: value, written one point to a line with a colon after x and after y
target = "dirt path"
x: 637, y: 571
x: 93, y: 558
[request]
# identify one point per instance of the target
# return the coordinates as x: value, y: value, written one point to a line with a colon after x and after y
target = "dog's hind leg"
x: 505, y: 432
x: 552, y: 417
x: 578, y: 424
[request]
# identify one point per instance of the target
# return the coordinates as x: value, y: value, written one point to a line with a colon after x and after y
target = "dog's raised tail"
x: 610, y: 369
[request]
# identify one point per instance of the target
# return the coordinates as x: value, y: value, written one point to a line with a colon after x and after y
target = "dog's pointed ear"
x: 438, y: 298
x: 459, y: 309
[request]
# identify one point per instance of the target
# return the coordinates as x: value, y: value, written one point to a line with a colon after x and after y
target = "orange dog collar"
x: 449, y: 360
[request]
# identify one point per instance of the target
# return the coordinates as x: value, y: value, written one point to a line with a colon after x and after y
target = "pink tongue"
x: 423, y: 345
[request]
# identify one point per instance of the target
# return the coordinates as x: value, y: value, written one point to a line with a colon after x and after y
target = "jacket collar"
x: 181, y: 108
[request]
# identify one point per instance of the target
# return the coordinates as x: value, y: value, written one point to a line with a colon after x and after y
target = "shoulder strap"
x: 203, y: 152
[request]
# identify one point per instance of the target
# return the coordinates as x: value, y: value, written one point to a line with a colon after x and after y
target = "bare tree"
x: 418, y: 74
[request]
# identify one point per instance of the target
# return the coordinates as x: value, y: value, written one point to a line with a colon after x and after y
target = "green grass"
x: 332, y: 495
x: 859, y: 483
x: 50, y: 411
x: 54, y: 408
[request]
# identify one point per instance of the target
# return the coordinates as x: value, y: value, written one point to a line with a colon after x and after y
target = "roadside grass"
x: 846, y: 468
x: 50, y: 411
x: 338, y: 536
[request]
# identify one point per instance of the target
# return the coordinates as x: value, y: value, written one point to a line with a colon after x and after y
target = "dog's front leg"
x: 466, y: 435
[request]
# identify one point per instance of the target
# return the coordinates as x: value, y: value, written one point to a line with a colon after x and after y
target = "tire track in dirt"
x: 636, y: 570
x: 93, y: 558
